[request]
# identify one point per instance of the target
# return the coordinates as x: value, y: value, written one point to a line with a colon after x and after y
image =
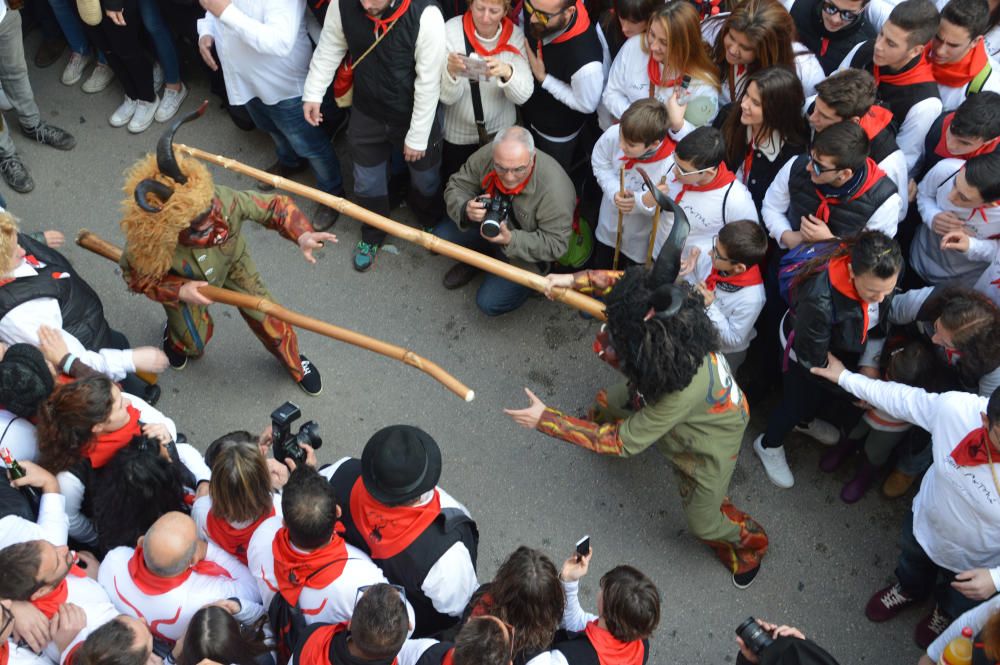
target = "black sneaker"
x: 283, y: 171
x: 743, y: 580
x: 15, y: 174
x: 176, y: 359
x: 310, y: 382
x: 47, y: 134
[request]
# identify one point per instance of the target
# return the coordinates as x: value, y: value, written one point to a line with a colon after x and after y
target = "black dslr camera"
x: 754, y: 636
x: 284, y: 444
x: 497, y: 208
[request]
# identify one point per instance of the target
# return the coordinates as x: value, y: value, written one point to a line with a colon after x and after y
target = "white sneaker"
x: 775, y: 464
x: 171, y: 101
x: 73, y: 71
x: 820, y: 430
x: 157, y: 77
x: 5, y: 104
x: 123, y: 114
x: 143, y: 117
x: 99, y: 79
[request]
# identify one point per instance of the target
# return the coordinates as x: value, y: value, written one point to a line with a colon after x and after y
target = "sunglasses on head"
x: 363, y: 589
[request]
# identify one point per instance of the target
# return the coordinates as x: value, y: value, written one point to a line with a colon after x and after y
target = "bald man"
x: 172, y: 573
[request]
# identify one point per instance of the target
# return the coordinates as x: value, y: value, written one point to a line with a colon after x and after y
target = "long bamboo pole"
x: 428, y: 240
x: 101, y: 247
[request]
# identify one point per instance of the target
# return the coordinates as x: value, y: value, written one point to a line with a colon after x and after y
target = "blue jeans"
x: 296, y: 139
x: 72, y: 27
x: 920, y: 577
x: 496, y: 295
x: 163, y: 42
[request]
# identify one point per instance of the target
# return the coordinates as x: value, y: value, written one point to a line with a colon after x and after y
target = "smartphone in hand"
x: 583, y: 546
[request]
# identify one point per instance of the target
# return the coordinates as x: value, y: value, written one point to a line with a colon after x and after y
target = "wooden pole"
x: 621, y: 215
x: 101, y: 247
x: 427, y: 240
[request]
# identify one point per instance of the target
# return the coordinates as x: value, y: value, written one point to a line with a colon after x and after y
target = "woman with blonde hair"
x: 655, y: 64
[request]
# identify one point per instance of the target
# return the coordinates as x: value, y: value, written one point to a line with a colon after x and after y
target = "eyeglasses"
x: 517, y: 170
x: 543, y: 17
x: 716, y: 253
x: 682, y: 172
x: 8, y: 618
x: 818, y: 169
x: 846, y: 16
x: 364, y: 589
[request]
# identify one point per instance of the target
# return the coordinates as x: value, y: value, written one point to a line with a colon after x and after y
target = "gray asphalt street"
x: 826, y: 558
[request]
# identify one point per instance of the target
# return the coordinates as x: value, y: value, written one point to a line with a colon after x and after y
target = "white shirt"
x: 20, y: 325
x: 956, y: 513
x: 951, y: 98
x: 989, y: 280
x: 778, y: 200
x: 18, y: 434
x: 168, y: 614
x: 430, y: 56
x: 92, y: 598
x: 500, y: 99
x: 263, y: 48
x: 932, y: 263
x: 733, y: 313
x: 51, y: 525
x: 707, y: 211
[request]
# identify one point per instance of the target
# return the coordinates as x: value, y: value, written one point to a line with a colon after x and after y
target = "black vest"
x: 543, y: 111
x: 881, y: 145
x: 578, y: 650
x: 409, y: 568
x: 383, y: 82
x: 435, y: 654
x: 846, y: 219
x: 82, y: 312
x: 809, y: 24
x: 897, y: 98
x: 934, y: 137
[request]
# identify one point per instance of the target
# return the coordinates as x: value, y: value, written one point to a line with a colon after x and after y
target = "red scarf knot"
x: 154, y: 585
x: 103, y: 446
x: 872, y: 175
x: 296, y: 570
x: 382, y: 24
x: 973, y: 449
x: 503, y: 44
x: 492, y: 183
x: 875, y: 120
x: 231, y: 539
x: 388, y: 530
x: 958, y: 74
x: 920, y: 72
x: 749, y: 277
x: 610, y: 650
x: 655, y: 71
x: 722, y: 179
x: 664, y: 150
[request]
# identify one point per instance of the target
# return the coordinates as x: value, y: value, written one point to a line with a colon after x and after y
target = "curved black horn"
x: 166, y: 161
x: 666, y: 301
x: 668, y: 263
x: 154, y: 187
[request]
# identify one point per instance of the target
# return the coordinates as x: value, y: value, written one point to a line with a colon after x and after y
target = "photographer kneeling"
x: 770, y: 644
x: 513, y: 203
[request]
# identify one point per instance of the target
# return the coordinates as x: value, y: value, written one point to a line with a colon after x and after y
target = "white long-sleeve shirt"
x: 952, y: 98
x: 18, y: 435
x: 707, y: 211
x: 263, y: 48
x: 932, y: 263
x: 500, y: 99
x: 956, y: 513
x: 778, y: 199
x: 989, y: 280
x: 430, y: 56
x: 733, y: 312
x: 93, y: 599
x: 51, y: 524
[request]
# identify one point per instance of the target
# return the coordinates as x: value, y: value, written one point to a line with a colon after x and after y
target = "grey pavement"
x: 826, y: 558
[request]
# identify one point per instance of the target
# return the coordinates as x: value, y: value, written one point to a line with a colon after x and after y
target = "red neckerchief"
x: 49, y: 603
x: 655, y: 71
x: 942, y: 147
x: 492, y: 183
x: 103, y: 446
x: 231, y: 539
x: 5, y: 653
x: 971, y: 451
x: 873, y: 175
x: 610, y: 650
x: 383, y: 23
x: 875, y: 120
x: 153, y: 585
x: 749, y: 277
x: 722, y: 178
x: 503, y: 44
x: 449, y: 657
x: 824, y: 44
x: 957, y: 74
x: 296, y: 570
x: 388, y: 530
x: 218, y: 234
x: 921, y: 72
x: 666, y: 148
x: 581, y: 22
x: 982, y: 213
x: 748, y: 163
x: 840, y: 279
x: 316, y: 650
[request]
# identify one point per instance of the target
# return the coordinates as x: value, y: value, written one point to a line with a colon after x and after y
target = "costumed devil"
x: 678, y: 394
x: 183, y: 232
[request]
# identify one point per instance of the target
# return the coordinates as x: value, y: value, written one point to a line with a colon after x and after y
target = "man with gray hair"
x: 514, y: 203
x: 172, y: 573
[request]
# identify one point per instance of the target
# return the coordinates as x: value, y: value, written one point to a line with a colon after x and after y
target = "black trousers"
x: 123, y: 50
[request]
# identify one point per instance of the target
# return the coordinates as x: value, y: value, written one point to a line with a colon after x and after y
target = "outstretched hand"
x: 834, y: 368
x: 529, y: 417
x: 311, y: 240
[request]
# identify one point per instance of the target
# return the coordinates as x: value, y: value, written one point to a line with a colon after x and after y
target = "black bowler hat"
x: 399, y: 463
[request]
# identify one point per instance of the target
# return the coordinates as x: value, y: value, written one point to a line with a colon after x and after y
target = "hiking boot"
x: 775, y: 464
x: 836, y: 456
x: 15, y: 174
x: 282, y: 171
x: 123, y: 114
x: 897, y: 484
x: 364, y: 256
x: 99, y: 79
x: 143, y: 116
x: 170, y: 103
x: 930, y: 627
x: 743, y: 580
x: 887, y: 603
x: 73, y: 71
x: 820, y: 430
x: 459, y: 275
x: 49, y: 52
x: 311, y: 383
x: 855, y: 489
x: 51, y: 135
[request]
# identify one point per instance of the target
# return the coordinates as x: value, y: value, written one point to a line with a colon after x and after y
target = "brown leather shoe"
x: 459, y: 275
x: 897, y: 484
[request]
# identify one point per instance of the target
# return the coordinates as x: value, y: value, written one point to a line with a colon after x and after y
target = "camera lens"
x: 490, y: 228
x: 754, y: 636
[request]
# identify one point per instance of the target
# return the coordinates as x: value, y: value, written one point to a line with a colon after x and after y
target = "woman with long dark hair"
x: 839, y: 299
x: 215, y: 635
x: 765, y: 128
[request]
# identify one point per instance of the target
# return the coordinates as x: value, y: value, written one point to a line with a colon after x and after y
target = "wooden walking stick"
x: 656, y: 228
x: 101, y: 247
x: 621, y: 215
x: 427, y: 240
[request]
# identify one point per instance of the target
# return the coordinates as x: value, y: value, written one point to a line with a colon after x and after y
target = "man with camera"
x: 771, y: 644
x: 511, y: 202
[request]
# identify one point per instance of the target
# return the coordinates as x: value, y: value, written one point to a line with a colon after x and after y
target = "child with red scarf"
x: 730, y: 281
x: 971, y: 130
x: 957, y: 54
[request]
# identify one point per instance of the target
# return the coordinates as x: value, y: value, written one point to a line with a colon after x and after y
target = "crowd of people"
x: 792, y: 203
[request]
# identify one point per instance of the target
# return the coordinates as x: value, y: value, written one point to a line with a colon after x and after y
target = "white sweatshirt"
x: 989, y: 281
x: 952, y: 98
x: 708, y: 211
x: 734, y: 310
